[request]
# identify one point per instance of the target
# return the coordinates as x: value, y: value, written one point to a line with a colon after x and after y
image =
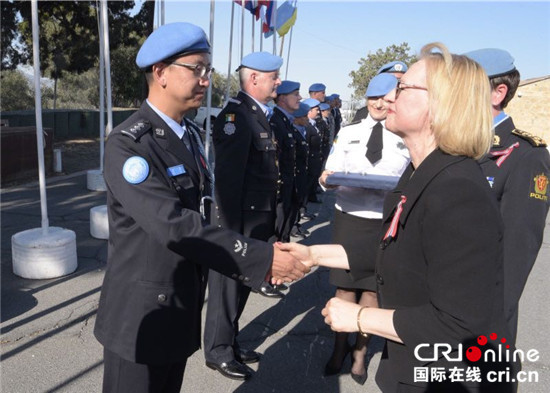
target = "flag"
x: 268, y: 21
x: 286, y: 17
x: 252, y: 6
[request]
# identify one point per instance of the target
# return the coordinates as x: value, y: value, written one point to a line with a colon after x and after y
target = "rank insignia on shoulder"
x: 229, y: 128
x: 135, y: 170
x: 534, y: 140
x: 229, y: 117
x: 234, y: 101
x: 159, y: 132
x: 540, y: 187
x: 136, y: 130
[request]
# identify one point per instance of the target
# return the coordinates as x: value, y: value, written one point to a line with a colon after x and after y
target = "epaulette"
x: 234, y: 101
x: 137, y: 130
x: 534, y: 140
x: 352, y: 123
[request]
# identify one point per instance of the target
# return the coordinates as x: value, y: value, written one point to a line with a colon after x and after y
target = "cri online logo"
x: 473, y: 354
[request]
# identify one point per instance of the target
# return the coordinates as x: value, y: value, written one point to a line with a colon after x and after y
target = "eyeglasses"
x: 200, y: 70
x: 402, y: 86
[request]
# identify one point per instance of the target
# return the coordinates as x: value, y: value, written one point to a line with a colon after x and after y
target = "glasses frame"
x: 403, y: 86
x: 200, y: 70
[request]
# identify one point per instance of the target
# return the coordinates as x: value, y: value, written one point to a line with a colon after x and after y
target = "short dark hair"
x: 511, y: 80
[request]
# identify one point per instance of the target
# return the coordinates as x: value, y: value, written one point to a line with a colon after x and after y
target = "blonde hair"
x: 459, y: 102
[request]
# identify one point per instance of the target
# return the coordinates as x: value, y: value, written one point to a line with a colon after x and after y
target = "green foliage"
x: 369, y: 66
x: 77, y: 91
x: 219, y: 88
x: 15, y: 93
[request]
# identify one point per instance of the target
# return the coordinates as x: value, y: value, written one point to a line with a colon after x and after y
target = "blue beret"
x: 381, y: 85
x: 311, y: 102
x: 394, y: 66
x: 329, y: 98
x: 324, y: 106
x: 170, y: 40
x: 302, y: 110
x: 317, y: 87
x: 495, y: 62
x: 287, y: 87
x: 261, y: 61
x: 335, y: 95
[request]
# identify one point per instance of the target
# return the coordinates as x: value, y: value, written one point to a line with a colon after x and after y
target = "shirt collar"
x: 262, y: 106
x: 179, y: 129
x: 288, y: 115
x: 499, y: 118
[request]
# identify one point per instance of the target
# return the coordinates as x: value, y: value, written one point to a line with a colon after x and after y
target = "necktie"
x: 186, y: 141
x: 268, y: 113
x: 375, y: 144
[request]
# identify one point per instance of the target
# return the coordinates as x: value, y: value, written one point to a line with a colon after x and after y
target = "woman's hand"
x: 323, y: 179
x: 341, y: 315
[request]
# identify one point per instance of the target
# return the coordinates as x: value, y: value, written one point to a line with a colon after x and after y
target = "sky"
x: 330, y: 37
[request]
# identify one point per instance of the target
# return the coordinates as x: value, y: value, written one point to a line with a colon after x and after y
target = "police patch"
x: 541, y: 186
x: 229, y: 128
x: 135, y: 170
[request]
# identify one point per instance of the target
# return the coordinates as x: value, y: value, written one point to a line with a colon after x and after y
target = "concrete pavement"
x: 47, y: 342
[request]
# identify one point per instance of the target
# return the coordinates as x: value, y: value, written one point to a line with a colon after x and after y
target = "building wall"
x: 530, y: 108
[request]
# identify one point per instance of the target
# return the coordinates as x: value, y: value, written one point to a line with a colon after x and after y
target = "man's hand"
x: 298, y: 251
x: 285, y: 267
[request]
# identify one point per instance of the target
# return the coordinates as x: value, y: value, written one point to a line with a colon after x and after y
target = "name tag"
x: 353, y: 142
x: 264, y: 135
x: 176, y: 170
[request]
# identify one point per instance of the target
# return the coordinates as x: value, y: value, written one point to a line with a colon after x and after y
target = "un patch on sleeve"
x: 135, y: 170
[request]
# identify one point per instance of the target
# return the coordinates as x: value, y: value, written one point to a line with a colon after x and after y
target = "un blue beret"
x: 381, y: 85
x: 311, y: 102
x: 170, y: 40
x: 394, y: 66
x: 317, y: 87
x: 324, y: 106
x: 302, y: 110
x: 329, y: 98
x: 335, y: 95
x: 261, y: 61
x: 495, y: 62
x: 287, y: 87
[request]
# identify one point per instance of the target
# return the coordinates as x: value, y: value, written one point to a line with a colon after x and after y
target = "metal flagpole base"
x: 99, y: 223
x: 95, y: 180
x: 39, y: 256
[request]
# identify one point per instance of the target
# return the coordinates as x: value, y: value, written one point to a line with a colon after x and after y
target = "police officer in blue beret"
x: 396, y: 68
x: 287, y: 101
x: 247, y: 175
x: 317, y: 91
x: 314, y: 135
x: 161, y: 245
x: 517, y: 168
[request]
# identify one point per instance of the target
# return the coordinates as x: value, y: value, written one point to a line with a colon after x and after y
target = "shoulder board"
x: 137, y: 130
x: 352, y: 123
x: 234, y: 101
x: 534, y: 140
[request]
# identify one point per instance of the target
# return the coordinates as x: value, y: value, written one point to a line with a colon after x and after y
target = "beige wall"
x: 530, y: 108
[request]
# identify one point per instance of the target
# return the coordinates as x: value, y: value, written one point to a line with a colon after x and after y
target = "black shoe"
x: 232, y: 369
x: 331, y: 368
x: 270, y: 291
x: 281, y: 287
x: 297, y: 233
x: 303, y: 231
x: 308, y: 216
x: 247, y: 356
x: 360, y: 378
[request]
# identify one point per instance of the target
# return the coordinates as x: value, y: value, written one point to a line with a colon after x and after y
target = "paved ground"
x: 47, y: 343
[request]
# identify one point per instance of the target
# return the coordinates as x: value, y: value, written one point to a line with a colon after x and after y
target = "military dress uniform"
x: 517, y: 168
x: 160, y: 246
x: 283, y: 132
x: 301, y: 180
x: 315, y: 162
x: 246, y: 192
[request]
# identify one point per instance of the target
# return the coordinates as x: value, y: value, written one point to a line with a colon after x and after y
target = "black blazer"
x: 160, y: 247
x: 246, y: 166
x: 442, y: 272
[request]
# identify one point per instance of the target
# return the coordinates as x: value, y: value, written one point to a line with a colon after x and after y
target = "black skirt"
x: 360, y: 237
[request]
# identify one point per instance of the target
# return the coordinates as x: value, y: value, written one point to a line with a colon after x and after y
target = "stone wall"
x: 530, y: 108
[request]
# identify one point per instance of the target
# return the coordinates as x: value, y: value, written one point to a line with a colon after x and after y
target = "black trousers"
x: 123, y: 376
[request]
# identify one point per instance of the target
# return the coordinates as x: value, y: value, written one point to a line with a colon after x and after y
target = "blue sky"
x: 330, y: 37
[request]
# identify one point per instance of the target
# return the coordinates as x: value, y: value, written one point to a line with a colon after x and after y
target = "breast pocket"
x: 267, y: 152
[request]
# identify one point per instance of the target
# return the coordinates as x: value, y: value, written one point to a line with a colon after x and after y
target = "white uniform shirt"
x: 348, y: 155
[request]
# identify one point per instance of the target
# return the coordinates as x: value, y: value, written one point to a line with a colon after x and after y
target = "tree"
x: 369, y: 66
x: 219, y: 88
x: 15, y: 93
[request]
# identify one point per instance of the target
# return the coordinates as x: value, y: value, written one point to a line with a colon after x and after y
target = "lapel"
x: 169, y: 141
x: 503, y: 134
x: 413, y: 182
x: 256, y: 113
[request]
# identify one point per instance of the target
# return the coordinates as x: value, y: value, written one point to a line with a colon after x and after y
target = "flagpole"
x: 274, y: 19
x: 101, y: 92
x: 209, y: 92
x: 252, y: 32
x: 242, y: 29
x: 230, y: 52
x: 282, y: 44
x: 288, y: 54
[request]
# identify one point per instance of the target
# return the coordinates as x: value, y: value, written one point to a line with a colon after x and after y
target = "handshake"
x: 291, y: 261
